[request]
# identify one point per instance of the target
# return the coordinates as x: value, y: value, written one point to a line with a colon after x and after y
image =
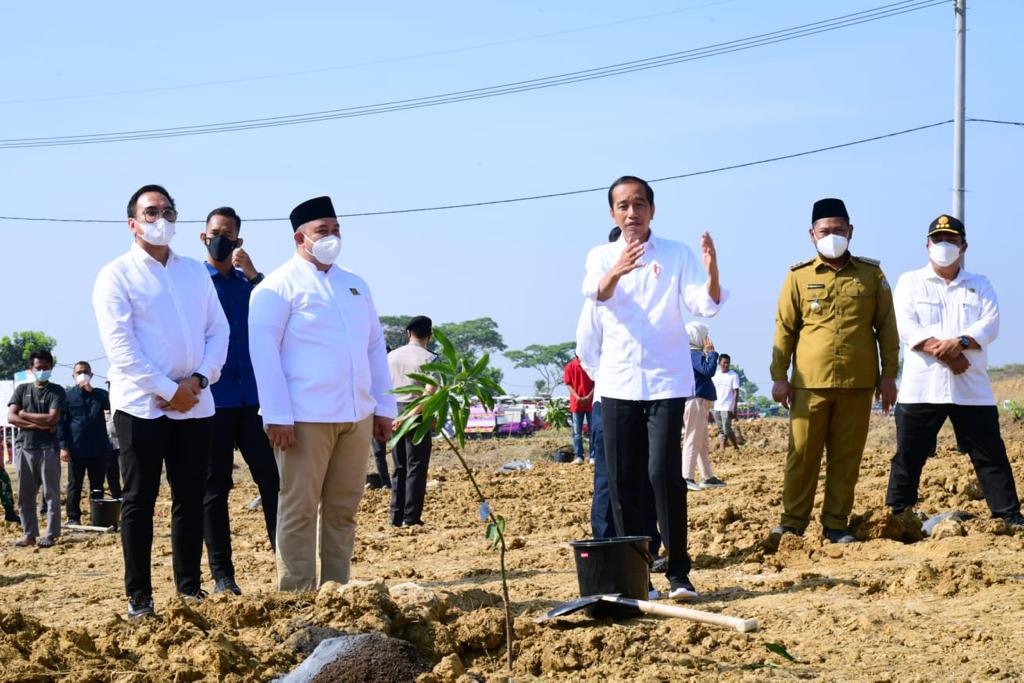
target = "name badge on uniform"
x: 355, y: 292
x: 815, y: 285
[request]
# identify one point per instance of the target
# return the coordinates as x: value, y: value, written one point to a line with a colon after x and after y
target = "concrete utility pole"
x: 959, y: 105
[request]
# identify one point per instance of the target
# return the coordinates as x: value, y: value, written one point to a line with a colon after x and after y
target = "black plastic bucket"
x: 105, y: 511
x: 613, y: 565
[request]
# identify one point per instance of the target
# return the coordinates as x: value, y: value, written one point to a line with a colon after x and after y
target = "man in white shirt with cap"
x: 322, y: 375
x: 947, y: 318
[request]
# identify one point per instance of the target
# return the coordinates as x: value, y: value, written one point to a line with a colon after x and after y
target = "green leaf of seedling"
x: 480, y: 365
x: 780, y: 650
x: 492, y: 535
x: 422, y: 379
x: 447, y: 348
x: 409, y: 423
x: 409, y: 389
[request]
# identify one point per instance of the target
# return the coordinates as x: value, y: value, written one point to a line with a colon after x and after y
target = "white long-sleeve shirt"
x: 317, y: 347
x: 637, y: 338
x: 159, y: 324
x: 927, y: 306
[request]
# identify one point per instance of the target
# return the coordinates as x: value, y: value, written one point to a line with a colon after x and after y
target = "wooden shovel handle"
x: 741, y: 625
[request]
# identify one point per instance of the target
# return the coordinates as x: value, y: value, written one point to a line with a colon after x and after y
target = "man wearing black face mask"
x: 237, y: 422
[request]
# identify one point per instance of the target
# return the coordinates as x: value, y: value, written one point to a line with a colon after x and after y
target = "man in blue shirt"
x: 237, y: 422
x: 84, y: 444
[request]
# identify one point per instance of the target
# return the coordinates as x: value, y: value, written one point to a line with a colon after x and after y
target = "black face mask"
x: 220, y: 247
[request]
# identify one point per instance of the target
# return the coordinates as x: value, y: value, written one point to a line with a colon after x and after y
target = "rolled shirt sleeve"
x: 694, y: 283
x: 268, y: 315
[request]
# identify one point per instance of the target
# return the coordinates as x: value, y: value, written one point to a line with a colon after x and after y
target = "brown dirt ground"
x: 938, y: 610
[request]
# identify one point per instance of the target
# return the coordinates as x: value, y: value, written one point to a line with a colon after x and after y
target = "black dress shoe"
x: 226, y: 585
x: 11, y: 516
x: 838, y: 536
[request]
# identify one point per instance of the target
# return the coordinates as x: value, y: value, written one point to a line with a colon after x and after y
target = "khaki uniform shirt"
x: 406, y: 359
x: 832, y: 325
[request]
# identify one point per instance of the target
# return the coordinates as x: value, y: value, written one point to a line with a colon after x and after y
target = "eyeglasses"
x: 151, y: 214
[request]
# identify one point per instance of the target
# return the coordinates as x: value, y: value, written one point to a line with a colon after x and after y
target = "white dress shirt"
x: 317, y: 347
x: 159, y: 324
x: 638, y: 337
x: 927, y: 306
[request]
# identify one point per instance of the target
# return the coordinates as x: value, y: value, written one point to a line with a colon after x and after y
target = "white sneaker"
x: 692, y: 485
x: 682, y: 593
x: 577, y: 461
x: 653, y: 594
x: 591, y: 461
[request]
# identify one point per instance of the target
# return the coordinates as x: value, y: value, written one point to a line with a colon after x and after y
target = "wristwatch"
x: 203, y: 382
x: 965, y: 342
x: 258, y: 278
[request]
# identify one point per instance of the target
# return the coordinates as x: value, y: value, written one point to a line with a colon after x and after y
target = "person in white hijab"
x: 696, y: 444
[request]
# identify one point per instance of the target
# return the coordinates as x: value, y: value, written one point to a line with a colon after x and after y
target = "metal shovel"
x: 648, y: 607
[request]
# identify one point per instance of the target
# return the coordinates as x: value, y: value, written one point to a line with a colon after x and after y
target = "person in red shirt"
x: 581, y: 396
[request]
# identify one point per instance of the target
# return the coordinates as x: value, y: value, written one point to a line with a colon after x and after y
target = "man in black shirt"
x: 35, y: 409
x: 83, y: 439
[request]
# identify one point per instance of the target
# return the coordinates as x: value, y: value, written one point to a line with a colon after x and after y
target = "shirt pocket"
x: 970, y: 309
x: 929, y: 311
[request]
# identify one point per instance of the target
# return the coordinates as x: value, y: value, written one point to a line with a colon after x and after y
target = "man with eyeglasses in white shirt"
x: 947, y: 318
x: 641, y: 285
x: 322, y: 375
x: 166, y: 337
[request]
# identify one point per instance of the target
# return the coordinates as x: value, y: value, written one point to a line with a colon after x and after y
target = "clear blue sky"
x: 68, y: 67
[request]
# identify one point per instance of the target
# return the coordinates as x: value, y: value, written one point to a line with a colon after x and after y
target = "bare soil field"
x: 946, y: 608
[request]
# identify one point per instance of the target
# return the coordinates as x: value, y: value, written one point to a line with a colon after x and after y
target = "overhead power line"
x: 552, y: 195
x: 387, y: 60
x: 804, y: 30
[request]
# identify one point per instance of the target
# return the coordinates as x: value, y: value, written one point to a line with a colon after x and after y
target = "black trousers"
x: 641, y: 440
x: 409, y: 480
x: 976, y: 428
x: 380, y: 457
x: 114, y: 472
x: 242, y: 428
x: 146, y: 446
x: 78, y: 468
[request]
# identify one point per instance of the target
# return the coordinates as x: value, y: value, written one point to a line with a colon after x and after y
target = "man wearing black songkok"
x: 834, y: 322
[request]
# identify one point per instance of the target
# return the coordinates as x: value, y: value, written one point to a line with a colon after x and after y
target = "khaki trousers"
x: 832, y: 420
x: 322, y: 481
x: 695, y: 439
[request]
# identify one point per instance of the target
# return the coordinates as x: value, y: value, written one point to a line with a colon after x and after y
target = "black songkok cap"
x: 829, y: 207
x: 946, y: 223
x: 311, y: 210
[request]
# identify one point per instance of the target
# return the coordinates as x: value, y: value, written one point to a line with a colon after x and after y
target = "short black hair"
x: 421, y: 327
x: 227, y: 212
x: 628, y: 179
x: 41, y: 354
x: 143, y: 190
x: 614, y: 233
x: 85, y: 363
x: 725, y: 356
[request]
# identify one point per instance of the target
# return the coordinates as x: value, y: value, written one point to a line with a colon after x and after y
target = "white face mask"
x: 832, y: 246
x: 159, y: 234
x: 943, y: 254
x: 82, y: 378
x: 326, y: 249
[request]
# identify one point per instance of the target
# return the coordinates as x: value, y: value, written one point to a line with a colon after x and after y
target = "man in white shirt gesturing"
x: 321, y: 367
x: 166, y: 337
x: 947, y: 319
x: 641, y: 285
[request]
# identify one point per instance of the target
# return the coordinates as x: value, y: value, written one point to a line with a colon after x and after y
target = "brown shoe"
x: 25, y: 541
x: 46, y: 542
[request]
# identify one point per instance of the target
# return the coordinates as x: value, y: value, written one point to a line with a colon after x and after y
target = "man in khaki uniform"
x: 835, y: 317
